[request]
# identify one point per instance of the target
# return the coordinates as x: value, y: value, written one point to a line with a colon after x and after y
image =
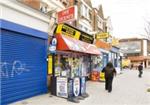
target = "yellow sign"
x: 49, y: 64
x: 102, y: 76
x: 68, y: 31
x: 102, y: 36
x: 115, y: 41
x: 126, y: 63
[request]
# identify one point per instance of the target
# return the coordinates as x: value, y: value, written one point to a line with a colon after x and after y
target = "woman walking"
x: 109, y: 71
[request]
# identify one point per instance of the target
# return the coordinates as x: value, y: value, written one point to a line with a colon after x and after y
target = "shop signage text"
x: 86, y: 38
x: 68, y: 14
x: 67, y: 30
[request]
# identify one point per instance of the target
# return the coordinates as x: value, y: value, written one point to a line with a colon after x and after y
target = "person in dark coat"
x: 140, y: 69
x: 109, y: 71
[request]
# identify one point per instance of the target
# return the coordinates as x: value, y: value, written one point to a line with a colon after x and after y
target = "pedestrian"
x: 131, y: 66
x: 140, y: 69
x: 109, y: 71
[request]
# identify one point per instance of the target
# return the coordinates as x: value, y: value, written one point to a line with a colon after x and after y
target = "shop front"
x: 104, y: 48
x: 71, y: 66
x: 23, y: 44
x: 115, y: 58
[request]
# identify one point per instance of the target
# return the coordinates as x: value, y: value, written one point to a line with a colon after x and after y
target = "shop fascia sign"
x: 69, y: 14
x: 67, y: 30
x: 102, y: 35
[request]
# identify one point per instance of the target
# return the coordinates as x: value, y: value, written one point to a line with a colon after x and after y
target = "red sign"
x: 66, y: 15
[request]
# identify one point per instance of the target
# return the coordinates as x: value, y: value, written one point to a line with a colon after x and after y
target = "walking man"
x: 140, y: 69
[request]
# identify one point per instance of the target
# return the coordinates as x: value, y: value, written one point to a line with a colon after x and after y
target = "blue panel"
x: 115, y: 49
x: 23, y: 66
x: 105, y: 59
x: 22, y: 29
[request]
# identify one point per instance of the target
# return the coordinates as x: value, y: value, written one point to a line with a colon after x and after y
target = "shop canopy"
x: 66, y: 43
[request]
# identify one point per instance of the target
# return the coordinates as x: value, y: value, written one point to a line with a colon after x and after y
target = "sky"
x: 127, y: 16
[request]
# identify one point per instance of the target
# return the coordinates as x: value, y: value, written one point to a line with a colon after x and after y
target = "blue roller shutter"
x: 23, y: 64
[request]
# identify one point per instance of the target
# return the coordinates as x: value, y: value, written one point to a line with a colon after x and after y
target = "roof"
x: 130, y: 39
x: 100, y: 12
x: 88, y: 2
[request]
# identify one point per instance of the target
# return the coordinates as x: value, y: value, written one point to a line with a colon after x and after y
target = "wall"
x: 32, y: 3
x: 19, y: 13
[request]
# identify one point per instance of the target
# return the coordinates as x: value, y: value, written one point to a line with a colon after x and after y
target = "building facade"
x: 84, y: 19
x: 137, y: 50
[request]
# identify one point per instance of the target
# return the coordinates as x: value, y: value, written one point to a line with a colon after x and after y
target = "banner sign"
x: 76, y: 87
x: 62, y: 87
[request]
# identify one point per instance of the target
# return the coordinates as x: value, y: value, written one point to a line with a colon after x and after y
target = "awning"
x: 103, y: 45
x: 66, y: 43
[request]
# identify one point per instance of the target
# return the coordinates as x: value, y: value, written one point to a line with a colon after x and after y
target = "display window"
x: 71, y: 65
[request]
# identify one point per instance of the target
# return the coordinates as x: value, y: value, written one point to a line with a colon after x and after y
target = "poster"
x: 102, y: 76
x: 49, y: 64
x: 70, y: 88
x: 83, y: 85
x: 62, y: 87
x: 76, y: 86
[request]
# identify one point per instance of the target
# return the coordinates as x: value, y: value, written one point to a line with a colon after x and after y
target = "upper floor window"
x: 85, y: 12
x: 100, y: 22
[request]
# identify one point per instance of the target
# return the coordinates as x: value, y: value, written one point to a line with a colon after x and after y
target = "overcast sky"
x: 127, y: 16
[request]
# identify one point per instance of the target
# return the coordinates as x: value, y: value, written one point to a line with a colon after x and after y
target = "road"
x: 128, y: 89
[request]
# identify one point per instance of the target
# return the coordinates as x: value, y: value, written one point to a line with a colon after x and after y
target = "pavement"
x: 128, y: 89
